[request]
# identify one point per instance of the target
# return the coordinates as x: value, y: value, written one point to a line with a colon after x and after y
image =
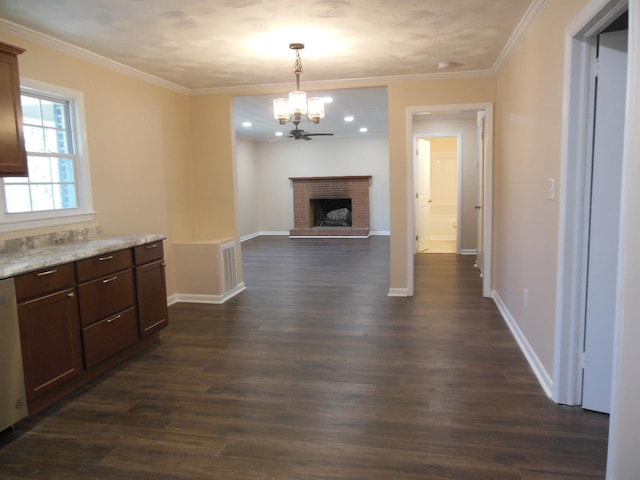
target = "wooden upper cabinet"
x: 13, y: 156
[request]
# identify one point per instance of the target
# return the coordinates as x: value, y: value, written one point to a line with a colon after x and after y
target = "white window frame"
x: 11, y: 222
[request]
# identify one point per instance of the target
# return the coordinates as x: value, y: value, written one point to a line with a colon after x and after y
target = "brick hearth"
x: 306, y: 189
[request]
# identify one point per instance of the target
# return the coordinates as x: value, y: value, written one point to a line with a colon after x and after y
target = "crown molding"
x: 364, y: 82
x: 531, y: 15
x: 88, y: 55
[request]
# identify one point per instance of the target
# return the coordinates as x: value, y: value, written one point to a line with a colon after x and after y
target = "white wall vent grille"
x: 228, y: 279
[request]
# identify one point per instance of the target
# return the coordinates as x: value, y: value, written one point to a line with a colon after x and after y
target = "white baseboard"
x: 211, y: 299
x: 468, y: 251
x: 398, y: 292
x: 265, y: 233
x: 382, y: 233
x: 534, y: 362
x: 328, y: 236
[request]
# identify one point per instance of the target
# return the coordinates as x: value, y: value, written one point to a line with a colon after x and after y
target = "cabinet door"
x: 152, y: 298
x: 13, y: 157
x: 50, y: 335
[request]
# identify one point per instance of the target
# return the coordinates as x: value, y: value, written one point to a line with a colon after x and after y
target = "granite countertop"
x: 28, y: 260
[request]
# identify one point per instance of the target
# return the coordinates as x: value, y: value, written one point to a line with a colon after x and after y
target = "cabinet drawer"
x: 106, y: 296
x: 107, y: 337
x: 148, y: 252
x: 101, y: 265
x: 44, y: 281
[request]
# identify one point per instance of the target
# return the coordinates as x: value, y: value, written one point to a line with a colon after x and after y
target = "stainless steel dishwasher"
x: 13, y: 400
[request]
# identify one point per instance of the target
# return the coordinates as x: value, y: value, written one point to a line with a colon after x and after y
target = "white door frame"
x: 487, y: 174
x: 458, y: 137
x: 575, y: 173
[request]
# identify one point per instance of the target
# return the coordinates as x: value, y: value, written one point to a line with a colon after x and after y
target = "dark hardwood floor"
x: 314, y: 373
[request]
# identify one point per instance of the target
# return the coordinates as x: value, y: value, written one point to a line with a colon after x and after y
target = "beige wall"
x: 527, y: 153
x: 139, y: 144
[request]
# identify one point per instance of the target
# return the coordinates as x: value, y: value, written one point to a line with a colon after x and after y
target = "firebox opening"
x: 331, y: 212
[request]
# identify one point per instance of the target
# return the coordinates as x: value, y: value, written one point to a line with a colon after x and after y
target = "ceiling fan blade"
x: 318, y: 134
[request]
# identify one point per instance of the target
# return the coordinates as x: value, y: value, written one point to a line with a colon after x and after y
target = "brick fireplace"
x: 310, y: 193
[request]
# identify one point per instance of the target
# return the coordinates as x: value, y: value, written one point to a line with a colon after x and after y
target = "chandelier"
x: 297, y: 105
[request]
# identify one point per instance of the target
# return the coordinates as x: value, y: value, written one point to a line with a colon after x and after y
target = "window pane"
x: 39, y: 169
x: 30, y: 110
x: 33, y: 139
x: 55, y: 140
x: 65, y: 196
x: 53, y: 114
x: 17, y: 198
x: 42, y: 197
x: 62, y: 170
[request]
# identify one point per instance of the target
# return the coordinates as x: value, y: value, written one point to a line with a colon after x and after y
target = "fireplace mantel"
x: 307, y: 189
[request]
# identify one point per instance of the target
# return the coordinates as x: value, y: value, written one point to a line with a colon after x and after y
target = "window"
x: 57, y: 190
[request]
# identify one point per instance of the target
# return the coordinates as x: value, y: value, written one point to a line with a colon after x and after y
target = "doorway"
x: 589, y: 226
x: 475, y: 187
x: 438, y: 194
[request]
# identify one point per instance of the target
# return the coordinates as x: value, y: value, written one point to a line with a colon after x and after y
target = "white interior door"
x: 424, y: 193
x: 604, y: 224
x: 480, y: 167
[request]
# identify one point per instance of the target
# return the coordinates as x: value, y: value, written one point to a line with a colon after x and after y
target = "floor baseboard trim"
x: 209, y: 299
x: 534, y: 362
x: 468, y: 251
x: 398, y: 292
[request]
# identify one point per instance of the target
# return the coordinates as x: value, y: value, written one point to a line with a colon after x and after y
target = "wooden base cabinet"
x: 151, y: 288
x: 78, y: 320
x: 49, y: 329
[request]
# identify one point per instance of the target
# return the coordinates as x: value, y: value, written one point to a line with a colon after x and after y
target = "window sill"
x: 46, y: 222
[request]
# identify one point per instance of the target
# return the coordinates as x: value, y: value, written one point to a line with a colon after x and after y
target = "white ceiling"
x: 215, y: 45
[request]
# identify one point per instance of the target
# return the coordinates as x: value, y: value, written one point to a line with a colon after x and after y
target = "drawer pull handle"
x: 108, y: 257
x: 152, y: 246
x: 113, y: 319
x: 48, y: 272
x: 107, y: 280
x: 71, y: 295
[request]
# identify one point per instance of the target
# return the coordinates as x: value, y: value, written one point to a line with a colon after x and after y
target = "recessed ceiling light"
x: 279, y: 134
x: 246, y: 124
x: 348, y: 118
x: 448, y: 64
x: 364, y: 129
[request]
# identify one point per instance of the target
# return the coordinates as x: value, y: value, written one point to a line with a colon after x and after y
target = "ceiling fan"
x: 300, y: 134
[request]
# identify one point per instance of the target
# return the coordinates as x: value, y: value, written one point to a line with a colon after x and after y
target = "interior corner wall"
x: 528, y: 127
x: 275, y: 162
x: 467, y: 126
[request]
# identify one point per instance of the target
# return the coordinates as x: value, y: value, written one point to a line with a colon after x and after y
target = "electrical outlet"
x: 551, y: 188
x: 525, y: 297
